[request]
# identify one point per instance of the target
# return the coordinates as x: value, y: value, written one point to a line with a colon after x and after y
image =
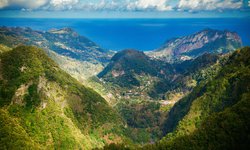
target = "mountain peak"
x: 210, y: 31
x: 64, y: 41
x: 66, y: 30
x: 128, y: 53
x: 194, y: 45
x: 128, y: 66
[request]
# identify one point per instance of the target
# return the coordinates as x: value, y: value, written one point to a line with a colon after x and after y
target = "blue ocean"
x: 141, y: 34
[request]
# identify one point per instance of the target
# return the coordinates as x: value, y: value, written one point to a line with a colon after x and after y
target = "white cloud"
x: 27, y: 4
x: 39, y: 4
x: 102, y: 5
x: 199, y: 5
x: 248, y: 3
x: 62, y: 4
x: 123, y: 5
x: 160, y: 5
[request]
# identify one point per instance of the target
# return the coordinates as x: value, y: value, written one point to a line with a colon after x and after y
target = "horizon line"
x: 245, y: 17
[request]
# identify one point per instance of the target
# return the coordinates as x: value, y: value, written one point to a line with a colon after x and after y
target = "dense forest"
x: 42, y: 107
x: 214, y: 115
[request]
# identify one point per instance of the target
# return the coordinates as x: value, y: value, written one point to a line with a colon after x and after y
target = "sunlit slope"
x: 42, y: 107
x: 215, y: 114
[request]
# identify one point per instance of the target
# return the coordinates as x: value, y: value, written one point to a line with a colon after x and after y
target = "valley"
x: 60, y: 90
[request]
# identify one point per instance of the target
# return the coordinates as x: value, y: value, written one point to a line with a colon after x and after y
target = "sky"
x: 124, y: 8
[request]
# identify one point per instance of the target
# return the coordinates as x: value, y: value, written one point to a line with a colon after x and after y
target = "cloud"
x: 27, y: 4
x: 160, y: 5
x: 115, y: 5
x: 124, y: 5
x: 207, y: 5
x: 102, y: 5
x: 62, y: 4
x: 38, y: 4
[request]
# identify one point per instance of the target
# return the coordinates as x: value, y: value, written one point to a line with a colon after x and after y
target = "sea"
x: 140, y: 34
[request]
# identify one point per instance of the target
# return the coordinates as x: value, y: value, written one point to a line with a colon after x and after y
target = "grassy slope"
x: 208, y: 113
x: 50, y: 108
x: 228, y: 129
x: 74, y: 54
x: 215, y: 115
x: 146, y: 117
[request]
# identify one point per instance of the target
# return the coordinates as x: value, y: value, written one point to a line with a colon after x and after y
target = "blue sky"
x: 124, y: 8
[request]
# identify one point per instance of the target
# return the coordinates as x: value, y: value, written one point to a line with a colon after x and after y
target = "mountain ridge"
x: 74, y: 53
x: 194, y: 45
x: 64, y: 41
x: 214, y: 115
x: 51, y: 107
x: 147, y: 92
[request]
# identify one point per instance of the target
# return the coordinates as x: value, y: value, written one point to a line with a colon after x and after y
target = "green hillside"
x: 198, y: 103
x: 74, y: 53
x: 145, y: 105
x: 42, y: 107
x: 215, y: 115
x: 126, y: 67
x: 132, y: 72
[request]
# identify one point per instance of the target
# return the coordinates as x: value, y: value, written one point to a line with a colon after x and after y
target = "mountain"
x: 129, y: 78
x: 74, y: 53
x: 145, y: 89
x: 214, y: 115
x: 42, y: 107
x: 191, y: 46
x: 63, y: 41
x: 126, y: 65
x: 135, y: 75
x: 190, y: 66
x: 134, y: 72
x: 186, y: 76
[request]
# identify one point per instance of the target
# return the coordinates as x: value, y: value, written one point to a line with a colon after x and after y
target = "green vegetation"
x: 12, y: 134
x: 128, y: 64
x: 134, y: 73
x: 222, y: 91
x: 228, y: 129
x: 200, y: 103
x: 144, y: 119
x: 137, y: 103
x: 74, y: 53
x: 20, y: 66
x: 215, y: 115
x: 50, y: 108
x: 32, y: 99
x: 4, y: 48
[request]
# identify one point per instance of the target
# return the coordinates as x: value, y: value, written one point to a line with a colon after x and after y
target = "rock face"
x: 192, y: 46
